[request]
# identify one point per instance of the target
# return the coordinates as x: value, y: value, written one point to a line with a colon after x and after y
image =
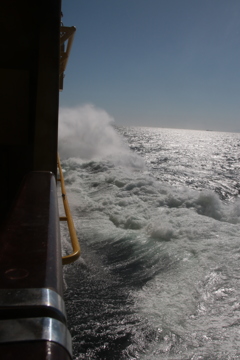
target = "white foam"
x: 191, y: 236
x: 87, y: 132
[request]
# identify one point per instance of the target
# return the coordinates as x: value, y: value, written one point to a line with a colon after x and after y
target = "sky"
x: 161, y: 63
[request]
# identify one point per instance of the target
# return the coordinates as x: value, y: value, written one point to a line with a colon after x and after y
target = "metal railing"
x: 74, y: 240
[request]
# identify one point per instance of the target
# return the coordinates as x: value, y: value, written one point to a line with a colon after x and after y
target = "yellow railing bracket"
x: 66, y: 39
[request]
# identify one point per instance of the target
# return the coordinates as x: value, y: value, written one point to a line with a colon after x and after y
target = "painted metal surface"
x: 34, y: 350
x: 30, y: 248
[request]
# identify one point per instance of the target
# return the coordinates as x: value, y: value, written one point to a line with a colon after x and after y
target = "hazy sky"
x: 164, y: 63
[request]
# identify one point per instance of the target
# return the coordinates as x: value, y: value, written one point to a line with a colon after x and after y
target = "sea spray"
x: 87, y: 132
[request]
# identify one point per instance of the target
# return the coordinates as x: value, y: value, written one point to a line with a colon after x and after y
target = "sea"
x: 157, y: 214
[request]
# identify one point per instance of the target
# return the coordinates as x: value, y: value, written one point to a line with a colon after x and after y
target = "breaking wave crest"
x: 87, y: 132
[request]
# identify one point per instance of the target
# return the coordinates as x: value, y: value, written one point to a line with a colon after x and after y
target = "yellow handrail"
x: 74, y: 240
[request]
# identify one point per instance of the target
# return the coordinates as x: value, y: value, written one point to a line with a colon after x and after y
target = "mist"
x: 87, y: 132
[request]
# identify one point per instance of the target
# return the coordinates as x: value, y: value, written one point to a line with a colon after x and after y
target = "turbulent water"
x: 158, y: 218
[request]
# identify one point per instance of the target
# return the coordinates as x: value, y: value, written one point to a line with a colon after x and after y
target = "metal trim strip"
x: 32, y: 297
x: 35, y: 329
